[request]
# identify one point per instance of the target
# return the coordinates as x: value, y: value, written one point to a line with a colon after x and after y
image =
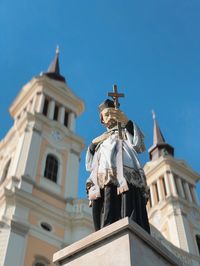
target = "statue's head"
x: 106, y: 113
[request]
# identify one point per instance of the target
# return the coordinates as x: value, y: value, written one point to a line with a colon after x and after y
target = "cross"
x: 115, y: 95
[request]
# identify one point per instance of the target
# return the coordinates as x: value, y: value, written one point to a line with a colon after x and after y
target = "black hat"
x: 106, y: 104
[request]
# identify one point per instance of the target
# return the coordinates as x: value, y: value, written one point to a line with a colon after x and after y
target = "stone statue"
x: 117, y: 184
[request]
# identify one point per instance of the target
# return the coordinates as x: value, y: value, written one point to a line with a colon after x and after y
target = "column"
x: 40, y: 105
x: 16, y: 246
x: 29, y: 106
x: 180, y: 187
x: 187, y: 191
x: 194, y: 193
x: 61, y: 115
x: 152, y: 195
x: 160, y: 194
x: 72, y: 121
x: 173, y: 184
x: 167, y: 185
x: 51, y: 109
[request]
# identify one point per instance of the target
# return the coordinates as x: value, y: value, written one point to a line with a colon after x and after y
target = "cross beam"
x: 115, y: 95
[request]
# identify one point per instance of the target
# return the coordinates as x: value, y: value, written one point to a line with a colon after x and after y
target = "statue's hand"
x: 119, y: 116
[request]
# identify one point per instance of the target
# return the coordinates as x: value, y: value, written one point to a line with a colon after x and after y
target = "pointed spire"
x: 160, y: 147
x: 53, y: 71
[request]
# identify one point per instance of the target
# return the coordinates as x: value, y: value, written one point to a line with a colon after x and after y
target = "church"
x: 40, y: 212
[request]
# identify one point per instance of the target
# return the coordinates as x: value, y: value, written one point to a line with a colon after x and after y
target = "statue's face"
x: 108, y: 117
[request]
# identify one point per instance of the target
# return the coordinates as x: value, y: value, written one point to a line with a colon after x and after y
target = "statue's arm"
x: 129, y: 127
x: 89, y: 157
x: 137, y: 137
x: 91, y: 148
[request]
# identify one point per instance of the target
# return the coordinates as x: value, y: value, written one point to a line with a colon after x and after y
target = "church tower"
x: 173, y: 208
x: 39, y: 162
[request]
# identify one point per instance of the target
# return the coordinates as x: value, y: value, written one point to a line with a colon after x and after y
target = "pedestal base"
x: 123, y: 243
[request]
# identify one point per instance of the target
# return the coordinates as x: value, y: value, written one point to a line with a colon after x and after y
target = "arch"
x: 51, y: 168
x: 198, y: 242
x: 6, y: 170
x: 41, y: 261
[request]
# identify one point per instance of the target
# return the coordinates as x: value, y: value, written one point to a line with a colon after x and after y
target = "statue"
x: 117, y: 185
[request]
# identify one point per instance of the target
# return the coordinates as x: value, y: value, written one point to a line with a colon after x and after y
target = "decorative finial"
x: 57, y: 49
x: 154, y: 114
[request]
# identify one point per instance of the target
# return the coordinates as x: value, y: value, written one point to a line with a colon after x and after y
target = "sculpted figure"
x: 117, y: 184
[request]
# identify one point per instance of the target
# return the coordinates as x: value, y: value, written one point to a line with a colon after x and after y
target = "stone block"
x: 122, y: 243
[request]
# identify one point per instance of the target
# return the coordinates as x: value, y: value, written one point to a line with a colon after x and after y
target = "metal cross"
x: 115, y: 95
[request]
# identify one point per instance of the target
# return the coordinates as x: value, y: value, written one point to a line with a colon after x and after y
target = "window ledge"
x: 50, y: 185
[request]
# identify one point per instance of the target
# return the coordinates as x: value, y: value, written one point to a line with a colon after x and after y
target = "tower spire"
x: 159, y: 147
x: 53, y: 71
x: 157, y: 134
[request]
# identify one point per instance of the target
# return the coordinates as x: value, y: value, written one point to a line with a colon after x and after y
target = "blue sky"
x: 151, y: 49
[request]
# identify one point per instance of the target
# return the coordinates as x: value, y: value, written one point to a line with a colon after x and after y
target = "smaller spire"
x: 57, y: 50
x: 159, y: 147
x: 157, y: 136
x: 153, y: 114
x: 53, y: 71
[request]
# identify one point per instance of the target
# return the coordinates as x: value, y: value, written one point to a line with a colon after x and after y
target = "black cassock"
x: 111, y: 206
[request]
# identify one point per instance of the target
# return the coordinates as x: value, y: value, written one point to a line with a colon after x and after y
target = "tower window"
x: 192, y: 192
x: 185, y: 190
x: 66, y: 119
x: 164, y: 186
x: 51, y: 168
x: 198, y: 242
x: 55, y: 116
x: 41, y: 261
x: 5, y: 171
x: 156, y: 192
x: 45, y: 108
x: 39, y: 264
x: 150, y: 202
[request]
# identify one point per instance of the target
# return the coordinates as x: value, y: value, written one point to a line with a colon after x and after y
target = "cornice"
x: 171, y: 164
x: 44, y: 84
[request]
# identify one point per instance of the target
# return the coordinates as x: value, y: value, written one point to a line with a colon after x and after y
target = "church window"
x: 156, y: 192
x: 55, y: 116
x: 66, y: 119
x: 184, y: 190
x: 164, y: 186
x: 41, y: 261
x: 5, y: 171
x: 51, y: 168
x: 45, y: 108
x: 198, y: 242
x: 150, y: 201
x: 192, y: 192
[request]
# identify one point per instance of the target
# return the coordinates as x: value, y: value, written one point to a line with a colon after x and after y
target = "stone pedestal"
x: 122, y: 243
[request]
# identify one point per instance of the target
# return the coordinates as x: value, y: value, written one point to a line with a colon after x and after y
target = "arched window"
x: 45, y: 107
x: 39, y: 264
x: 198, y: 242
x: 51, y: 168
x: 5, y: 171
x: 41, y: 261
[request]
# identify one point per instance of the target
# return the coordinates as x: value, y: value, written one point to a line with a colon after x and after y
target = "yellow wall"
x: 37, y: 247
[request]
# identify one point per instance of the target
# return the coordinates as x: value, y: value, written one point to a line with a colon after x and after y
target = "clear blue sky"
x: 151, y: 49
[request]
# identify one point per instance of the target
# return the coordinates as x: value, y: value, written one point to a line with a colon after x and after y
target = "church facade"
x: 40, y: 212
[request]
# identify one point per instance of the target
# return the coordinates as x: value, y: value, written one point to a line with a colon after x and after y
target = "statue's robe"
x: 117, y: 184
